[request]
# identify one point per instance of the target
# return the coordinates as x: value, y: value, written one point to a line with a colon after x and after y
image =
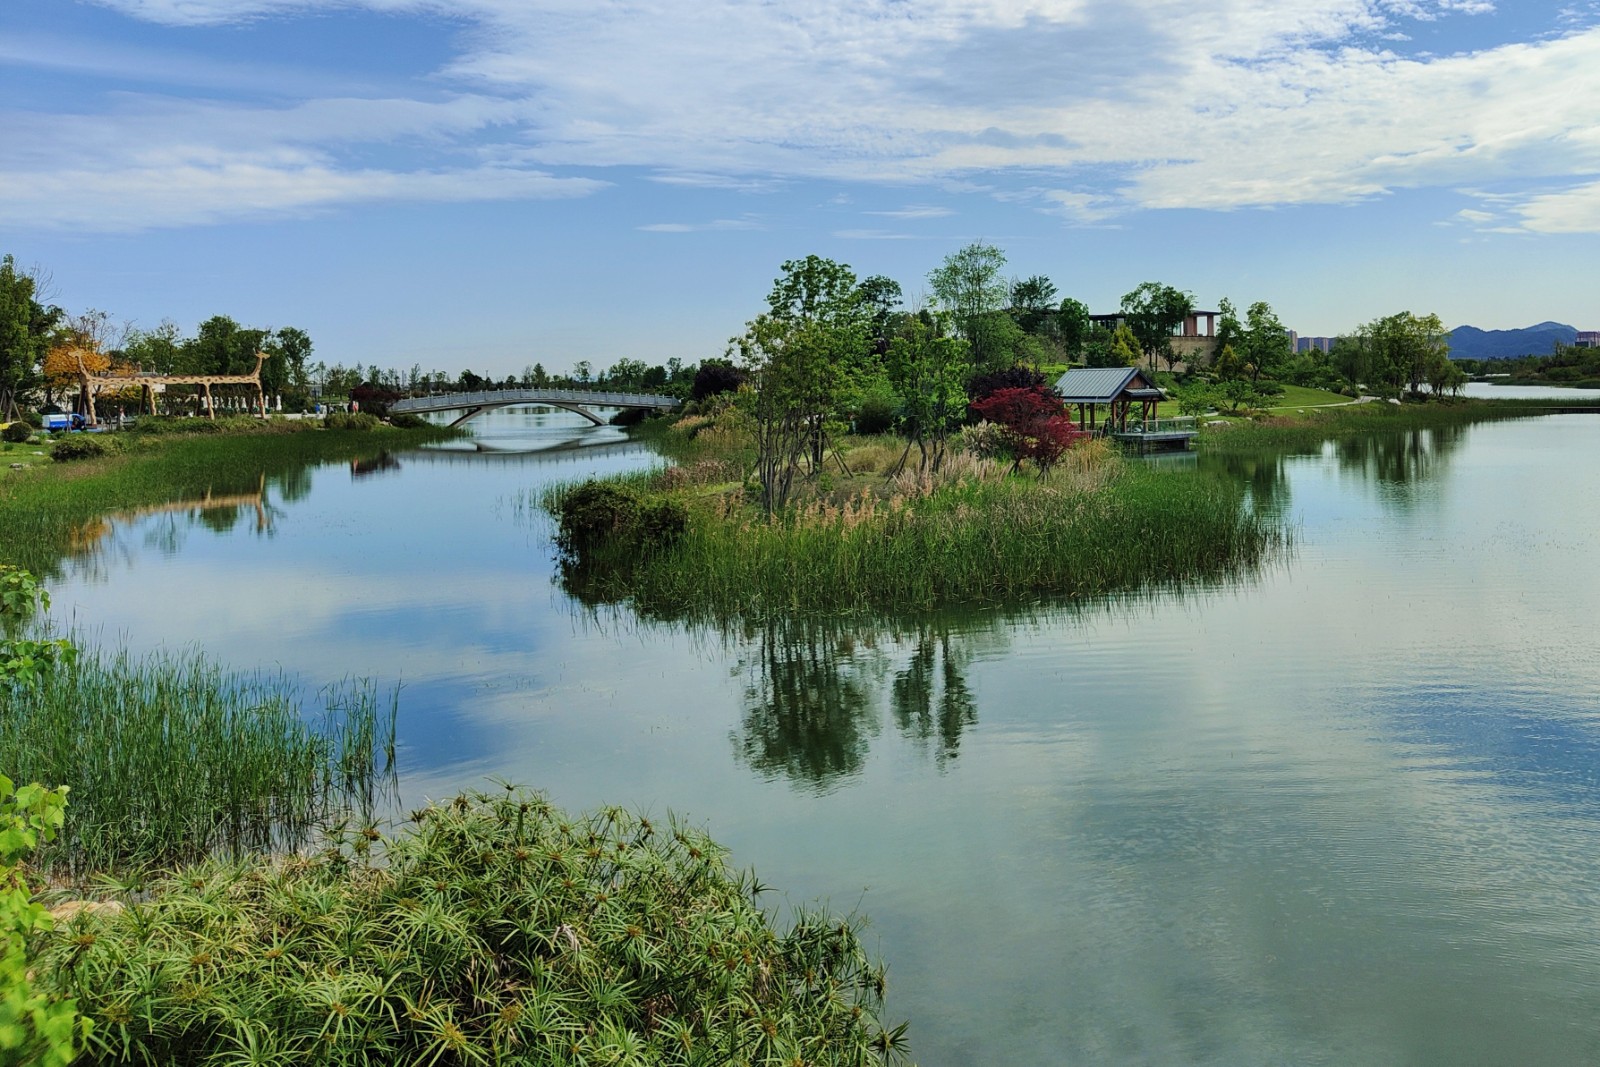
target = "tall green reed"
x: 988, y: 541
x: 170, y: 757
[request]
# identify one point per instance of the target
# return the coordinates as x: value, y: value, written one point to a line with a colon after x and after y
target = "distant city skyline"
x: 494, y: 183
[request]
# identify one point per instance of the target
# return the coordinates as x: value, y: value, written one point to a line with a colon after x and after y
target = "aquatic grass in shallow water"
x: 171, y: 758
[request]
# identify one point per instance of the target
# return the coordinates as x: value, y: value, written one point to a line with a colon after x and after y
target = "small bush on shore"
x: 78, y: 447
x: 614, y: 516
x: 407, y: 421
x: 351, y: 420
x: 497, y: 930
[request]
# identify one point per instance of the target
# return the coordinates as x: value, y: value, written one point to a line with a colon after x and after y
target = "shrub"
x: 497, y: 930
x: 876, y: 413
x: 983, y: 439
x: 1033, y: 424
x: 407, y: 421
x: 78, y: 447
x: 17, y: 433
x: 613, y: 516
x: 34, y: 419
x: 35, y: 1026
x: 714, y: 377
x: 981, y: 386
x: 631, y: 416
x: 350, y: 420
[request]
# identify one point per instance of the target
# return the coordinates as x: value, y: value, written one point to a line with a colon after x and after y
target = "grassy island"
x: 871, y: 533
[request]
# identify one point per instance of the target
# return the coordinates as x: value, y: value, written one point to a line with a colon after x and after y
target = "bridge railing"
x: 485, y: 398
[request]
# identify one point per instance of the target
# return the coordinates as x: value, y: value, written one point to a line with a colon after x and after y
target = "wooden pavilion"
x: 1117, y: 389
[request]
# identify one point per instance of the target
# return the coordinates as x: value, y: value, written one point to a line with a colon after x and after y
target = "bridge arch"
x: 578, y: 401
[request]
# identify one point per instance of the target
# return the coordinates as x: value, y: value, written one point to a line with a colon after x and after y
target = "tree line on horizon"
x: 1007, y: 325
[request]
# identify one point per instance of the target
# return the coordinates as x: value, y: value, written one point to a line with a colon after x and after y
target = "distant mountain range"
x: 1469, y: 342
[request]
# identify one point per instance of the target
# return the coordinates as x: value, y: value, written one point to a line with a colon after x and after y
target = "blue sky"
x: 490, y: 183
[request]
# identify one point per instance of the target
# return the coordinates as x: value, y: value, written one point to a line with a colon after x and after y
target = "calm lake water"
x: 1345, y: 812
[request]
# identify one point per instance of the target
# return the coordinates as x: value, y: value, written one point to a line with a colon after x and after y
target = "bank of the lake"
x: 49, y: 509
x: 1313, y: 426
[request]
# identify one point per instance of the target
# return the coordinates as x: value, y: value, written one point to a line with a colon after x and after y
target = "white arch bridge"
x: 579, y: 401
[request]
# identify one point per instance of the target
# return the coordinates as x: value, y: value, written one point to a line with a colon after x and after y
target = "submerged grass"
x: 170, y: 758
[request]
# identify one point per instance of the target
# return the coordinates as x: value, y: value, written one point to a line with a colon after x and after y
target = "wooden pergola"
x: 92, y: 384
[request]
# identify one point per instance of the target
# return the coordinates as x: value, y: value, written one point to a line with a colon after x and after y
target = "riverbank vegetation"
x: 1568, y: 365
x: 497, y: 929
x: 1313, y: 426
x: 170, y: 758
x: 52, y: 510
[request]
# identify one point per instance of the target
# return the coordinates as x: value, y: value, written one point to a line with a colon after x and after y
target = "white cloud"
x: 701, y: 227
x: 915, y: 211
x: 1574, y: 210
x: 150, y: 197
x: 1213, y: 104
x: 872, y: 235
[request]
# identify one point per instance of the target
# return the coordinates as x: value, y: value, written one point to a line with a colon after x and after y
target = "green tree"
x: 1264, y: 342
x: 1125, y: 348
x: 1073, y: 327
x: 818, y: 300
x: 881, y: 297
x: 1153, y: 311
x: 970, y: 285
x: 1032, y: 301
x: 798, y: 384
x: 928, y: 369
x: 25, y: 328
x: 1397, y: 350
x: 289, y: 349
x: 157, y: 351
x: 1228, y: 329
x: 222, y: 346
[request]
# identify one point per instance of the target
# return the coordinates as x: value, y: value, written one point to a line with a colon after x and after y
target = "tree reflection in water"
x: 932, y: 701
x: 814, y: 695
x: 1400, y: 462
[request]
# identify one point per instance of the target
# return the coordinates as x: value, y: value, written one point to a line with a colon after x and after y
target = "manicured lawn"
x: 1298, y: 396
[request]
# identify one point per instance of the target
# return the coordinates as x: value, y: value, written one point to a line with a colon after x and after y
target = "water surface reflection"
x: 1341, y: 812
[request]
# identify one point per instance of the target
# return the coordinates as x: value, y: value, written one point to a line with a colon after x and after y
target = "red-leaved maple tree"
x: 1033, y: 422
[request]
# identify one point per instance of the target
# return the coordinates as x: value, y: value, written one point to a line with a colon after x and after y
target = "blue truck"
x: 72, y: 421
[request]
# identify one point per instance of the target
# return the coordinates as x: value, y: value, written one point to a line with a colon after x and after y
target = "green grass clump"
x: 992, y: 540
x: 498, y: 930
x: 170, y: 758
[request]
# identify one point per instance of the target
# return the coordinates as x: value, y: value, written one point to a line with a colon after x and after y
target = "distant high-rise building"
x: 1306, y: 344
x: 1587, y: 339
